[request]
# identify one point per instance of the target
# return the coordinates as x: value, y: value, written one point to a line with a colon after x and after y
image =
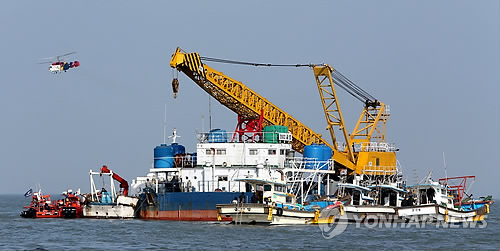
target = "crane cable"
x: 225, y: 61
x: 351, y: 87
x: 339, y: 79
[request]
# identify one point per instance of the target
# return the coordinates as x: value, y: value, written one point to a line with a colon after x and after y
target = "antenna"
x: 202, y: 123
x: 415, y: 176
x: 38, y: 188
x: 165, y: 126
x: 210, y: 112
x: 445, y: 173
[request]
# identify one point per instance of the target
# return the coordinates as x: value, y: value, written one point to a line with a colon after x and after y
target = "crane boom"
x: 247, y: 103
x: 331, y: 107
x: 123, y: 182
x: 372, y: 157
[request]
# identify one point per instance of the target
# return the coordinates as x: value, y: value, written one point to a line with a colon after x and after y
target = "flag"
x: 28, y: 193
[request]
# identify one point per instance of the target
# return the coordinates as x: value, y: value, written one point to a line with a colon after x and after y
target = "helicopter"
x: 60, y: 65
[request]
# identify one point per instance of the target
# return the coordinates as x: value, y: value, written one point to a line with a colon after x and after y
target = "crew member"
x: 254, y: 198
x: 242, y: 197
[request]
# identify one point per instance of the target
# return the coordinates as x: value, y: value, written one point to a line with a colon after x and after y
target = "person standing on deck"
x: 254, y: 198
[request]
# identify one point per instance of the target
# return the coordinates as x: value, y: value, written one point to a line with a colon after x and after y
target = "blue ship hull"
x: 188, y: 206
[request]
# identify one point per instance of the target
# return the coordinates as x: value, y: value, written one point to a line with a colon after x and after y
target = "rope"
x: 138, y: 207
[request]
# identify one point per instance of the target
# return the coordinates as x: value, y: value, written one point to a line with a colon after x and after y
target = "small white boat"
x: 372, y: 203
x: 433, y: 203
x: 271, y: 205
x: 439, y: 213
x: 112, y: 204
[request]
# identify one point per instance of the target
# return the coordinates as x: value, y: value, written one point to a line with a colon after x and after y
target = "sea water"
x: 17, y: 233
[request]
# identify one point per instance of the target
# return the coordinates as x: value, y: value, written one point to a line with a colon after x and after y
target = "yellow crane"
x: 365, y: 146
x: 249, y: 105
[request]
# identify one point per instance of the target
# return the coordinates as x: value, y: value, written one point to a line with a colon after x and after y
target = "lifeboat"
x: 43, y: 207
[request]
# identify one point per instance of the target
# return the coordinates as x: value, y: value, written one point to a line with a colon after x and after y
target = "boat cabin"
x: 382, y: 195
x: 270, y: 192
x: 430, y: 193
x: 389, y: 195
x: 355, y: 195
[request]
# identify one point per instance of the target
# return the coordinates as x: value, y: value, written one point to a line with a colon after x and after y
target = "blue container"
x: 178, y: 149
x: 327, y: 153
x: 106, y: 198
x: 217, y: 136
x: 163, y: 156
x: 317, y: 154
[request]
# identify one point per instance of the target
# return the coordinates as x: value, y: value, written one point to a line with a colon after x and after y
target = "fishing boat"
x: 364, y: 206
x: 113, y: 204
x: 43, y: 207
x: 367, y: 199
x: 270, y: 204
x: 434, y: 203
x: 458, y: 188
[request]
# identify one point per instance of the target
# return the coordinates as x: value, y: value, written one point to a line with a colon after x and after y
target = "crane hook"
x: 175, y: 86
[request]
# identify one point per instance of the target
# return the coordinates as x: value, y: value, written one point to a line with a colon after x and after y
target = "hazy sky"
x: 436, y: 63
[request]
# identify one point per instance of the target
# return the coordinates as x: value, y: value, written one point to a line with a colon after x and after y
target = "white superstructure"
x: 242, y: 154
x: 216, y: 166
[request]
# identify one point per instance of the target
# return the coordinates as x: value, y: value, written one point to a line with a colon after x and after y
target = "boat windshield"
x: 278, y: 188
x: 267, y: 187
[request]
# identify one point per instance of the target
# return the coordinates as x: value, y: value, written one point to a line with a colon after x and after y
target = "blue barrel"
x: 327, y: 153
x: 317, y: 154
x: 178, y: 149
x: 217, y: 136
x: 163, y: 156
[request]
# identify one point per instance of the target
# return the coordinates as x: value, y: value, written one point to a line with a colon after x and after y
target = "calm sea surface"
x: 17, y: 233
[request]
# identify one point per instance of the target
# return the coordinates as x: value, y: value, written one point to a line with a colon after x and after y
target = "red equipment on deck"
x: 249, y: 126
x: 457, y: 186
x: 123, y: 182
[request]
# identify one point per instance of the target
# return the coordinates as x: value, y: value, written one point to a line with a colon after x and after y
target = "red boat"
x: 42, y: 207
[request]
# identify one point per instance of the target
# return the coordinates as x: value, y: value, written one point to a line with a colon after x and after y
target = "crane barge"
x: 188, y: 186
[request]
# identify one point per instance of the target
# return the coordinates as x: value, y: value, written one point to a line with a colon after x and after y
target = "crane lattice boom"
x: 242, y: 100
